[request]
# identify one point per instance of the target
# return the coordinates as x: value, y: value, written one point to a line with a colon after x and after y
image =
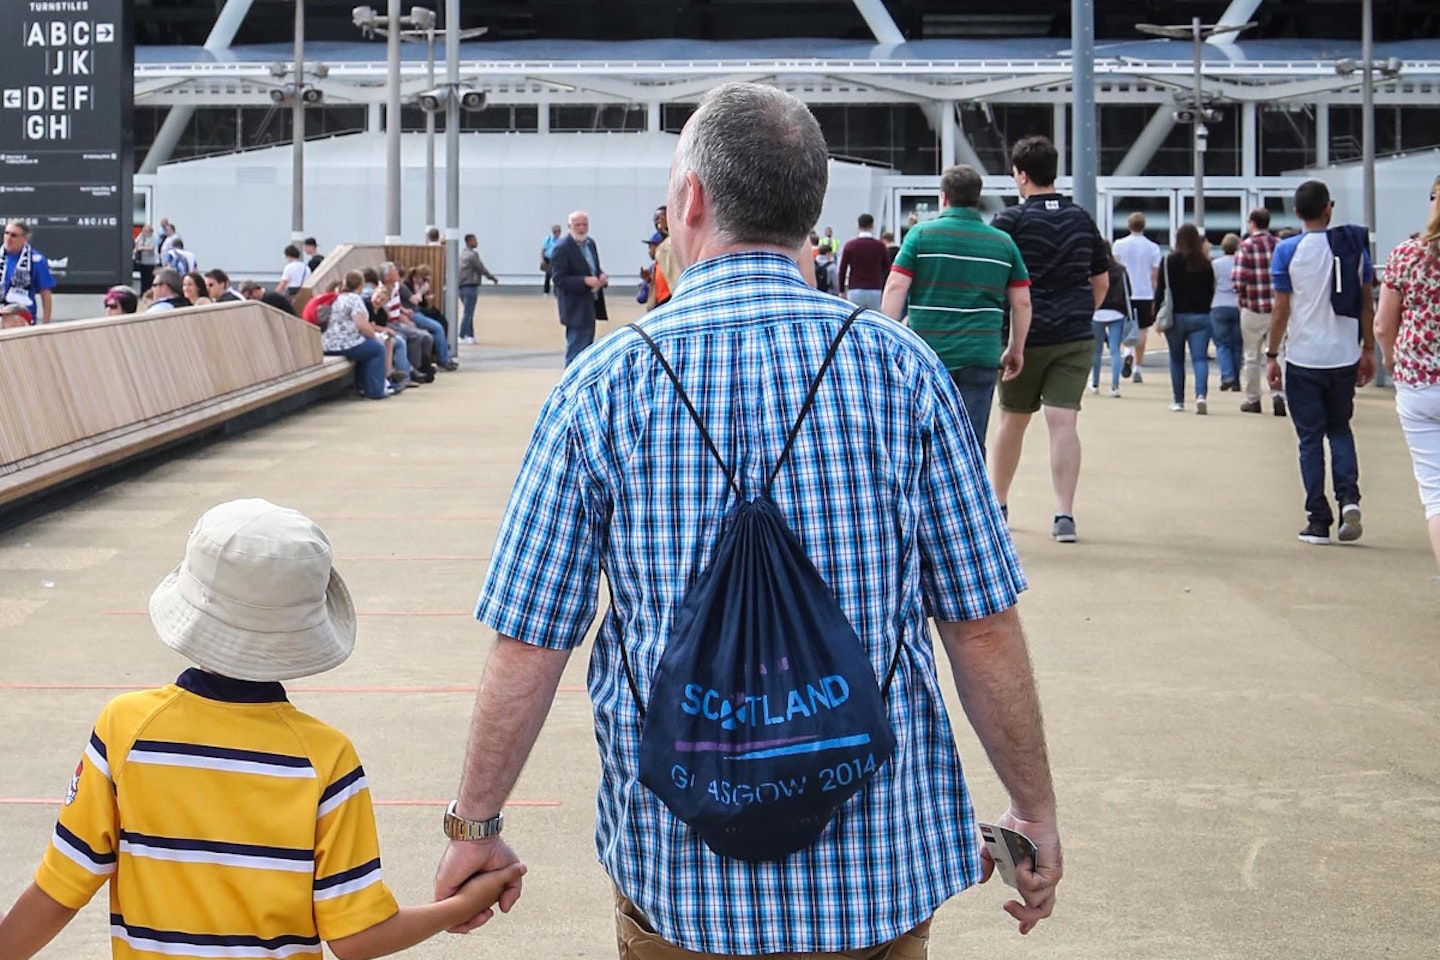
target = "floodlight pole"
x: 1083, y: 159
x: 430, y: 131
x: 392, y: 126
x: 1198, y: 129
x: 1367, y: 115
x: 452, y: 169
x: 297, y: 132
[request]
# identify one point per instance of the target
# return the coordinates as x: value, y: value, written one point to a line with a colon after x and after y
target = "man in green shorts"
x: 1069, y: 277
x: 958, y: 274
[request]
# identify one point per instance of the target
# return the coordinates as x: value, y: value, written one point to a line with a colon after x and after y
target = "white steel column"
x: 652, y: 117
x: 1061, y: 139
x: 222, y: 34
x: 948, y: 129
x: 1322, y: 135
x: 878, y: 19
x: 1249, y: 139
x: 374, y: 118
x: 542, y: 121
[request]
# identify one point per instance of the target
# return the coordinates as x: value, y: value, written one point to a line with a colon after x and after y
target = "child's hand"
x: 482, y: 891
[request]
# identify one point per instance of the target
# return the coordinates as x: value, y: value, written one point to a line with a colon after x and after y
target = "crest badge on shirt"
x: 74, y: 790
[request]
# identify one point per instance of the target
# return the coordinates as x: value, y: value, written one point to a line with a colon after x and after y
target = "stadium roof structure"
x: 819, y: 71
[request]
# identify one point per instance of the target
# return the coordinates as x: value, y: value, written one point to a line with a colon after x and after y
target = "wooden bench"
x: 76, y: 397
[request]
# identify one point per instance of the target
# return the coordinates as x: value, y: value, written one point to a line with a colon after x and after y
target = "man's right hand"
x: 1012, y: 361
x: 593, y: 283
x: 1037, y: 882
x: 465, y: 858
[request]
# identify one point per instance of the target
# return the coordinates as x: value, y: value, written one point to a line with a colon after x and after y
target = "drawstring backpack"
x: 764, y: 716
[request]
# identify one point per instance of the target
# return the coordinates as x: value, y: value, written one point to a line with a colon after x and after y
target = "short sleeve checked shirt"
x: 887, y: 492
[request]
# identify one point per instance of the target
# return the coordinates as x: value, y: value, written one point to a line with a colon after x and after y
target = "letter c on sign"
x: 711, y: 714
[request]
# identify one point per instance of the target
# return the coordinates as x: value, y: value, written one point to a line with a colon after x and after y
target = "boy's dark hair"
x: 292, y: 251
x: 865, y: 221
x: 1311, y: 199
x: 961, y: 186
x: 311, y: 242
x: 371, y: 275
x: 1260, y: 217
x: 219, y: 276
x: 1036, y: 158
x: 469, y: 237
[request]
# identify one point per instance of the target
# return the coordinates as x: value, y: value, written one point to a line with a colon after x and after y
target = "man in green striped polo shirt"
x: 955, y: 275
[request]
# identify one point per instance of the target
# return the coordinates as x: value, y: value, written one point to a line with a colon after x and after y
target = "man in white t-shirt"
x: 296, y: 273
x: 1141, y: 257
x: 1327, y: 355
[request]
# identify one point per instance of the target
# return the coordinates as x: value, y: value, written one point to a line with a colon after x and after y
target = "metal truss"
x: 1118, y: 81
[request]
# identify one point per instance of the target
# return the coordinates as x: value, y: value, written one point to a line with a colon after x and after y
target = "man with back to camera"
x: 26, y: 279
x: 1255, y: 289
x: 957, y: 275
x: 1069, y: 277
x: 313, y: 257
x: 1141, y: 257
x: 864, y: 261
x: 616, y: 479
x: 1327, y: 355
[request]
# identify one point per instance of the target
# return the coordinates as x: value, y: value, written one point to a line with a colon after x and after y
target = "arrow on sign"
x: 12, y: 100
x: 104, y: 33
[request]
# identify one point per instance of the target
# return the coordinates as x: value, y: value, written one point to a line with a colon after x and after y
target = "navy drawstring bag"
x: 764, y: 716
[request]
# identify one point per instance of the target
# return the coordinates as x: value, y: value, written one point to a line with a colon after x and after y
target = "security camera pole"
x: 297, y: 132
x: 452, y: 167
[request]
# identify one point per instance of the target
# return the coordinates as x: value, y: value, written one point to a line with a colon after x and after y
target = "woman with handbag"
x: 1407, y: 327
x: 1187, y: 285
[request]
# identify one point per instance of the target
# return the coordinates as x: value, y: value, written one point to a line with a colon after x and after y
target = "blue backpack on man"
x: 765, y: 715
x: 1350, y: 244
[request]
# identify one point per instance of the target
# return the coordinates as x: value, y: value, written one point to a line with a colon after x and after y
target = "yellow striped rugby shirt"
x: 228, y: 823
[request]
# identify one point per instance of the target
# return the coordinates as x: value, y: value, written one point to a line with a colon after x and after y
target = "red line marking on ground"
x: 56, y: 801
x: 569, y: 688
x: 363, y: 613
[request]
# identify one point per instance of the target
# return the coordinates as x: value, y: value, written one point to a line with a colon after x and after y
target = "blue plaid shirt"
x: 886, y: 490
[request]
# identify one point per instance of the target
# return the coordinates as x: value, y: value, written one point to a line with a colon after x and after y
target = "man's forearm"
x: 892, y: 301
x: 997, y: 689
x: 1367, y: 316
x: 514, y: 698
x: 1279, y: 321
x: 47, y: 302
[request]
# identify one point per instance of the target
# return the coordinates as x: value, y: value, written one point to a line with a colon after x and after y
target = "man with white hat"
x: 225, y: 818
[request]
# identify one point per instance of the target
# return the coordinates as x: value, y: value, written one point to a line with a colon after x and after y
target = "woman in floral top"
x: 350, y: 334
x: 1408, y: 329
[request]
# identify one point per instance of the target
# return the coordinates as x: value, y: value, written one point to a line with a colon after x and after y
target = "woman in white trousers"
x: 1407, y: 326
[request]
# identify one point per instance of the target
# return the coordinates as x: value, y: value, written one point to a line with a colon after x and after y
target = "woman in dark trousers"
x: 1187, y: 275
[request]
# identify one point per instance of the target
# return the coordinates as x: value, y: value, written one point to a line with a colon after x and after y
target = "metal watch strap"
x: 458, y: 828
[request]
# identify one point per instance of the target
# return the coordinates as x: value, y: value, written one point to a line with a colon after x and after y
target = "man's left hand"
x: 604, y: 279
x: 1365, y: 372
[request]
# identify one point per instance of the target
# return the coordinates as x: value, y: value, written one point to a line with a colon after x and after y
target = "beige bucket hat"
x: 257, y: 596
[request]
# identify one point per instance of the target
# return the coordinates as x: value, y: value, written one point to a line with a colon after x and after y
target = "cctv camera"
x: 278, y: 95
x: 473, y: 100
x: 312, y: 95
x: 433, y: 100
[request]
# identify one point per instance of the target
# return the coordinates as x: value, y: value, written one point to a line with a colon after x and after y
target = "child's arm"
x: 413, y: 925
x: 33, y: 922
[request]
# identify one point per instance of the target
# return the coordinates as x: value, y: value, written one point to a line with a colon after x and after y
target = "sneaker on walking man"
x: 1141, y: 257
x: 1069, y: 276
x: 1321, y: 278
x: 1251, y: 278
x: 958, y: 274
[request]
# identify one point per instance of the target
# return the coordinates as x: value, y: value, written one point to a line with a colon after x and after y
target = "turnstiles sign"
x: 66, y: 147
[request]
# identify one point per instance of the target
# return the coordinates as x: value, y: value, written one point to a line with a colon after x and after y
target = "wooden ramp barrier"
x: 357, y: 256
x: 78, y: 396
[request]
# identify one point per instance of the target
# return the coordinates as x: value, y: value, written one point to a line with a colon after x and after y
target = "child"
x: 227, y: 822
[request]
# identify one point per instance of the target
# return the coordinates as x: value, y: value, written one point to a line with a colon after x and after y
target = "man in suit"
x: 579, y: 285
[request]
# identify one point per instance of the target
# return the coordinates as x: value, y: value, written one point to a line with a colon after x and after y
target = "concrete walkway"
x: 1243, y: 727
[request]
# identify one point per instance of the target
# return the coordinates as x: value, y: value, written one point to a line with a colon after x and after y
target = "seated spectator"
x: 255, y: 290
x: 351, y: 334
x: 192, y: 285
x: 419, y: 343
x: 295, y: 275
x: 405, y: 299
x: 13, y: 315
x: 168, y: 290
x: 428, y: 303
x: 120, y: 300
x: 217, y: 284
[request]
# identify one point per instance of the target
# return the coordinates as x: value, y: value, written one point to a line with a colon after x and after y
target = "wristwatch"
x: 1271, y: 355
x: 458, y: 828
